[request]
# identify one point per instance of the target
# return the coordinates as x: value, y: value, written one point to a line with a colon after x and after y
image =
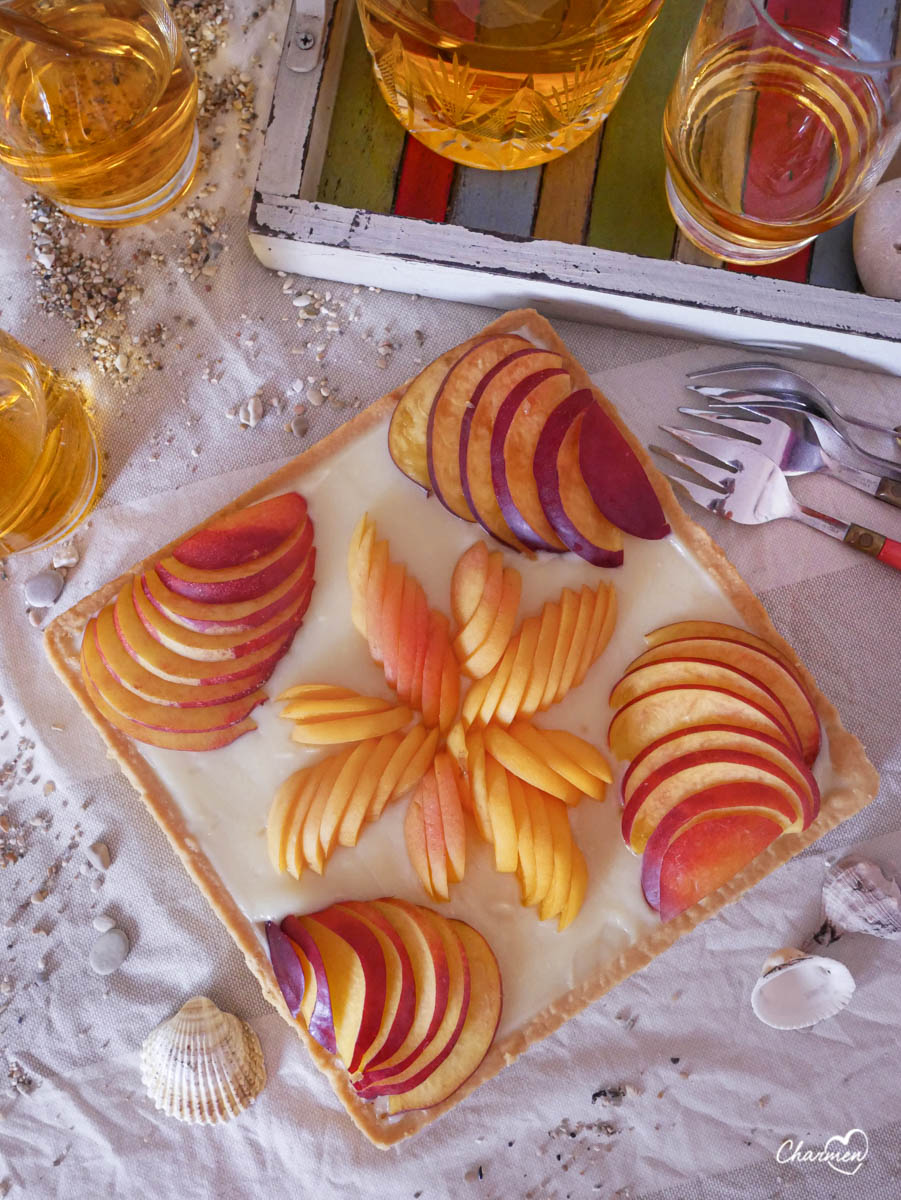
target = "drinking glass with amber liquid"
x: 99, y: 106
x: 49, y: 467
x: 782, y: 119
x: 504, y: 84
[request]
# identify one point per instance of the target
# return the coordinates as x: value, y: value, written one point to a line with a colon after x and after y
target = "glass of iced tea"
x: 504, y: 84
x: 49, y: 467
x: 781, y: 121
x: 98, y: 112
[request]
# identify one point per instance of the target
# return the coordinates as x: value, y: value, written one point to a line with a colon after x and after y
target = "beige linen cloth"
x: 710, y: 1093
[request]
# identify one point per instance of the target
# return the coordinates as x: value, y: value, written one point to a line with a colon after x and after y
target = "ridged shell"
x: 796, y: 990
x: 203, y: 1065
x: 858, y: 898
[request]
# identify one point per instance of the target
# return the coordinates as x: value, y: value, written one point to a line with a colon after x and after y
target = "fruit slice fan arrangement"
x: 179, y: 659
x: 720, y: 735
x: 495, y: 431
x: 407, y: 999
x: 515, y: 779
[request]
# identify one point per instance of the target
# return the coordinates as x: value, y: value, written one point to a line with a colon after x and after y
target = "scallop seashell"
x: 858, y: 898
x: 203, y: 1065
x: 796, y: 990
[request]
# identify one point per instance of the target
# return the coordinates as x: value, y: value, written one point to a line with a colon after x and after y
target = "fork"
x: 751, y: 489
x: 795, y: 441
x: 782, y: 384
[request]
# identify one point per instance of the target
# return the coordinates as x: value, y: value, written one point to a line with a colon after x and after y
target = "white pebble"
x: 120, y: 363
x: 251, y: 411
x: 44, y: 589
x: 98, y: 856
x: 299, y: 426
x: 46, y: 260
x: 66, y: 556
x: 315, y: 397
x: 103, y: 924
x: 109, y: 952
x: 36, y: 615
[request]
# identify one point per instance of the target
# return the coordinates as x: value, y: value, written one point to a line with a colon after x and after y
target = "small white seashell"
x: 858, y: 898
x: 796, y: 990
x: 203, y: 1065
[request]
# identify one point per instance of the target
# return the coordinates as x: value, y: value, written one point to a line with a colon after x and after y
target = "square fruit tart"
x: 411, y: 740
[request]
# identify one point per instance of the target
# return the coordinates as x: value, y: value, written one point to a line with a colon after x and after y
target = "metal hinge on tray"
x: 306, y: 34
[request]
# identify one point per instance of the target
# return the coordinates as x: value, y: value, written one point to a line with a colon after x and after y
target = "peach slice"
x: 459, y: 390
x: 525, y: 848
x: 316, y: 691
x: 367, y: 785
x: 639, y: 681
x: 517, y: 758
x: 416, y: 841
x: 691, y: 773
x: 392, y: 601
x: 165, y: 717
x: 309, y: 842
x: 709, y: 854
x: 452, y: 799
x: 578, y: 645
x: 608, y: 624
x: 310, y: 707
x: 356, y: 728
x: 478, y: 784
x: 561, y: 878
x: 412, y: 639
x: 427, y: 794
x: 278, y: 822
x: 655, y: 714
x: 158, y: 660
x: 569, y: 608
x: 446, y: 1036
x: 342, y: 792
x: 476, y: 1034
x: 755, y: 799
x: 484, y: 696
x: 229, y: 618
x: 433, y: 669
x: 520, y: 673
x: 129, y: 672
x: 310, y: 786
x: 449, y: 698
x: 359, y: 563
x: 544, y: 656
x: 574, y: 759
x: 718, y: 737
x: 500, y: 809
x: 400, y: 987
x: 577, y: 890
x: 418, y: 931
x: 218, y: 647
x: 519, y: 374
x: 247, y: 582
x: 249, y: 533
x: 165, y: 739
x: 542, y: 842
x: 319, y: 1019
x: 490, y: 651
x: 476, y: 590
x: 762, y: 665
x: 406, y: 766
x: 375, y: 595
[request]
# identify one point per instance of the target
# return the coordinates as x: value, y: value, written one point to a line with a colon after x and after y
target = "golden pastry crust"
x: 856, y: 786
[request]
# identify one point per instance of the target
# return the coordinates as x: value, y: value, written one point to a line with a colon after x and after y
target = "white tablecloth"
x: 710, y: 1092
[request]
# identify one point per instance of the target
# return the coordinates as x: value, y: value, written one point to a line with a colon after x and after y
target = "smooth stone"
x: 103, y: 924
x: 98, y: 856
x: 44, y: 589
x: 877, y: 241
x: 109, y: 952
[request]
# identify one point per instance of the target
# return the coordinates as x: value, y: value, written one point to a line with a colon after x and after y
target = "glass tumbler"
x: 782, y: 119
x: 504, y: 84
x: 99, y: 106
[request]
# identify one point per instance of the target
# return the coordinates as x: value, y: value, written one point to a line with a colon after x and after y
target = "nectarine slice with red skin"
x: 679, y: 630
x: 400, y: 991
x: 213, y: 739
x: 756, y: 799
x: 503, y: 826
x: 718, y: 737
x: 456, y: 395
x: 765, y: 666
x: 319, y: 1023
x: 639, y: 681
x: 286, y: 966
x: 562, y: 492
x: 618, y: 483
x: 436, y: 1051
x: 167, y: 717
x: 452, y: 801
x: 229, y: 618
x: 708, y: 855
x: 694, y: 772
x: 521, y: 372
x: 649, y: 717
x: 129, y: 672
x: 243, y: 535
x: 474, y: 1039
x: 247, y: 582
x: 155, y: 657
x: 419, y: 932
x: 514, y: 439
x: 217, y: 647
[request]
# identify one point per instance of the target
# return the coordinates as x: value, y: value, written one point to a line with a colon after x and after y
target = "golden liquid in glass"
x: 107, y: 135
x: 504, y: 83
x: 49, y: 468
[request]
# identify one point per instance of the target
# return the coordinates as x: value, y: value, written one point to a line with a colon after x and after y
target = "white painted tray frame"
x: 291, y: 231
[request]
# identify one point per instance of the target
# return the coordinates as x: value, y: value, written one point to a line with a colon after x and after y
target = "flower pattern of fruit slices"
x: 179, y: 658
x: 516, y: 780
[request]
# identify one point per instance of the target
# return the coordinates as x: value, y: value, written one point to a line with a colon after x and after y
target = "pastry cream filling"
x: 225, y: 794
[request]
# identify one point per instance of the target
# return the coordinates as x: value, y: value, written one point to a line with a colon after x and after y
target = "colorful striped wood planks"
x: 607, y: 192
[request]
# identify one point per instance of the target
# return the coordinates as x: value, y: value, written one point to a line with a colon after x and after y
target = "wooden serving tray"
x: 343, y: 193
